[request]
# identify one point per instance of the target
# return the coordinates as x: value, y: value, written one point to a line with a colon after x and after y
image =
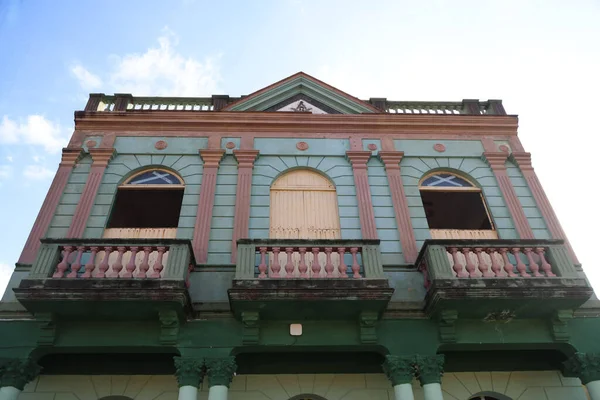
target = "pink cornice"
x: 211, y: 158
x: 391, y: 161
x: 44, y: 217
x: 497, y: 160
x: 359, y: 159
x: 241, y: 221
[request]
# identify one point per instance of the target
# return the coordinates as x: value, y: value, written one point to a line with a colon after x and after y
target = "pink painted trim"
x: 206, y: 202
x: 359, y: 159
x: 497, y: 160
x: 241, y: 222
x: 523, y: 160
x: 391, y: 160
x: 44, y: 217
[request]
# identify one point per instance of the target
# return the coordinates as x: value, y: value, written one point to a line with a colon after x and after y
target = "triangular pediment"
x: 302, y: 93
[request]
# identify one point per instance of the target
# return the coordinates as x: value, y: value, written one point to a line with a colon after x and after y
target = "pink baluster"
x: 469, y: 263
x: 118, y: 264
x: 275, y: 268
x: 535, y: 269
x: 130, y: 268
x: 483, y: 267
x: 144, y: 266
x: 289, y: 265
x: 546, y: 267
x: 103, y: 267
x: 458, y: 267
x: 77, y: 263
x: 508, y: 267
x: 158, y: 265
x: 262, y: 267
x: 316, y: 266
x: 328, y: 263
x: 355, y: 265
x: 64, y: 264
x: 91, y: 264
x: 342, y: 268
x: 497, y: 270
x: 522, y: 268
x: 302, y: 267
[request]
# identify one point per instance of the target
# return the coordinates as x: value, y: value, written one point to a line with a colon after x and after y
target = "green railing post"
x: 46, y: 261
x: 438, y: 265
x: 178, y: 262
x: 559, y: 258
x: 371, y: 257
x: 244, y: 268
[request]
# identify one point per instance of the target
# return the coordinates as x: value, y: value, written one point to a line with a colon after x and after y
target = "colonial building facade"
x: 297, y: 243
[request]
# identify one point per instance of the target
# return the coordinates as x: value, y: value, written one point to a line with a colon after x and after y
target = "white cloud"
x: 37, y: 172
x: 160, y: 71
x: 34, y: 130
x: 5, y: 171
x: 87, y: 80
x: 9, y: 158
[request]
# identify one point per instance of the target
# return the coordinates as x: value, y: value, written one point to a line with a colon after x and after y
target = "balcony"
x: 119, y: 278
x: 279, y: 278
x: 487, y: 278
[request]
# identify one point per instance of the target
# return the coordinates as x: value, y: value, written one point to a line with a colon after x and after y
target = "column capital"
x: 586, y: 366
x: 358, y: 158
x: 70, y: 156
x: 220, y: 371
x: 429, y: 369
x: 391, y: 159
x: 17, y: 372
x: 495, y: 159
x: 101, y: 156
x: 399, y: 369
x: 522, y: 159
x: 211, y: 157
x: 189, y: 371
x: 245, y: 158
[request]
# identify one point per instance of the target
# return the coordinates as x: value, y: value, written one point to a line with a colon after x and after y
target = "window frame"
x: 127, y: 185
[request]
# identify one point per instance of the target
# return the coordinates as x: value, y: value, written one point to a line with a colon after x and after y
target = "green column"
x: 15, y: 373
x: 586, y: 366
x: 429, y: 370
x: 220, y: 372
x: 189, y: 376
x: 400, y: 372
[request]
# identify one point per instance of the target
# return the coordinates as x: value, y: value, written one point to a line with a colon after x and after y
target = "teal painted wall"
x: 534, y: 217
x: 68, y: 202
x: 221, y: 232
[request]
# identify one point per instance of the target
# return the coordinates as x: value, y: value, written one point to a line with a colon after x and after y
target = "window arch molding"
x: 307, y: 397
x: 152, y: 177
x: 473, y: 185
x: 301, y: 168
x: 489, y: 396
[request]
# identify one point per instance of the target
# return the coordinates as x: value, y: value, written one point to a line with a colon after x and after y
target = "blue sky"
x: 541, y: 57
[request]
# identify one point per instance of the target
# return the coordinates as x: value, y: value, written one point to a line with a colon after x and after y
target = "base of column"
x: 188, y: 393
x: 433, y: 391
x: 9, y: 393
x: 217, y: 392
x: 593, y: 389
x: 403, y: 391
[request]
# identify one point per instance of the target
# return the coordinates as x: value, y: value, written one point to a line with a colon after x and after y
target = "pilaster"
x: 220, y: 371
x: 70, y: 156
x: 189, y: 371
x: 429, y: 369
x: 100, y: 159
x: 245, y: 159
x: 523, y: 160
x: 496, y: 161
x: 211, y: 159
x: 18, y: 372
x: 391, y: 161
x: 359, y: 160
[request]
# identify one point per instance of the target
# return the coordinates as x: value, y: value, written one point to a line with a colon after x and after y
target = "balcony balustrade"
x: 478, y: 276
x: 103, y: 273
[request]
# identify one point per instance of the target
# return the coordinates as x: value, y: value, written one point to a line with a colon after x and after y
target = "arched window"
x: 147, y: 205
x: 455, y: 208
x: 307, y: 397
x: 489, y: 396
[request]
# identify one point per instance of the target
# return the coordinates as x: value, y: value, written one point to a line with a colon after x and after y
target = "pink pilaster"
x: 359, y: 160
x: 497, y: 160
x: 391, y: 160
x: 42, y: 222
x: 206, y: 202
x: 245, y: 159
x: 100, y: 159
x: 523, y: 160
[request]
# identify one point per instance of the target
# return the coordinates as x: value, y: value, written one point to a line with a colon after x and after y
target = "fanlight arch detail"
x: 153, y: 177
x: 307, y: 397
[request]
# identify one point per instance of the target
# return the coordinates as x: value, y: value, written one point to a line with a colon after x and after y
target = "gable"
x: 299, y: 93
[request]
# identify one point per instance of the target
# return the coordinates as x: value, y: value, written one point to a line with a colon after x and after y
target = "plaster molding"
x: 245, y: 158
x: 560, y: 328
x: 211, y: 157
x: 251, y: 331
x: 102, y: 156
x: 391, y: 159
x: 447, y: 325
x: 523, y: 160
x: 70, y: 156
x: 368, y: 321
x: 495, y: 159
x: 243, y: 190
x: 169, y: 327
x: 358, y: 159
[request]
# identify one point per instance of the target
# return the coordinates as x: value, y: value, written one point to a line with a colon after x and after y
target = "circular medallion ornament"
x: 160, y: 145
x: 504, y: 148
x: 440, y: 148
x: 230, y: 145
x: 372, y: 147
x: 302, y: 146
x: 91, y: 144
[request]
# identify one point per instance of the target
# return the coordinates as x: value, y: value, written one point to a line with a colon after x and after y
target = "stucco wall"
x: 539, y: 385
